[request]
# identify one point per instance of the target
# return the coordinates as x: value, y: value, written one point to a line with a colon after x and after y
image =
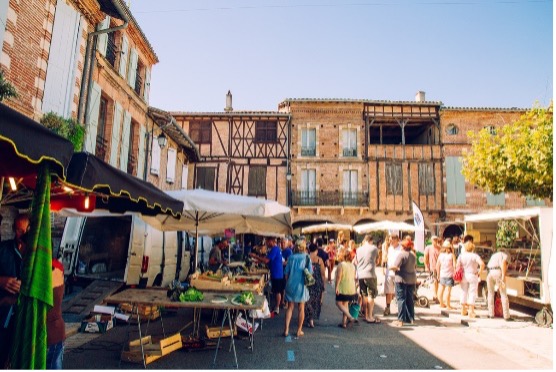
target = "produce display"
x: 191, y: 295
x: 245, y: 298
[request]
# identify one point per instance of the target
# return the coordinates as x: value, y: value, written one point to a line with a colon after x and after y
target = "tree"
x: 7, y: 90
x: 518, y: 157
x: 67, y: 128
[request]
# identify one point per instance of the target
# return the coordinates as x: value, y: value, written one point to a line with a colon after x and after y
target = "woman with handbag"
x: 345, y: 287
x: 472, y: 266
x: 296, y: 290
x: 313, y: 306
x: 445, y: 267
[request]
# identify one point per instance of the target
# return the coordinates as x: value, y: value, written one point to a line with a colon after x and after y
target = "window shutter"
x: 3, y: 18
x: 124, y: 52
x: 147, y: 83
x: 257, y: 181
x: 124, y: 147
x: 344, y: 141
x: 116, y: 134
x: 347, y: 181
x: 455, y: 182
x: 171, y: 166
x: 92, y: 119
x: 59, y: 84
x: 141, y: 152
x: 312, y: 138
x: 184, y: 175
x: 132, y: 73
x: 102, y: 41
x: 532, y: 202
x: 155, y: 156
x: 426, y: 179
x: 304, y: 138
x: 496, y: 199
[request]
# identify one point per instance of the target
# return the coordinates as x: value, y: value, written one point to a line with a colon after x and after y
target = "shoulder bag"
x: 309, y: 278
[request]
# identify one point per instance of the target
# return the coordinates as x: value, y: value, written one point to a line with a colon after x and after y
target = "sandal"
x: 341, y: 325
x: 397, y: 323
x: 374, y: 321
x: 311, y: 325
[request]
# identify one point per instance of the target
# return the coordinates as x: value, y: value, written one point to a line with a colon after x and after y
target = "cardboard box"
x: 245, y: 325
x: 97, y: 323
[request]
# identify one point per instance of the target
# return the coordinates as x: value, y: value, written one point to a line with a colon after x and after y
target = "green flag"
x: 36, y: 296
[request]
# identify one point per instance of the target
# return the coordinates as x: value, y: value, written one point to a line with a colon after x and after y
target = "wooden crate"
x: 209, y: 285
x: 143, y: 310
x: 214, y: 332
x: 153, y: 348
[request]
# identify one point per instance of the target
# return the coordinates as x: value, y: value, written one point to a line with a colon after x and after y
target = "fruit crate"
x: 153, y: 347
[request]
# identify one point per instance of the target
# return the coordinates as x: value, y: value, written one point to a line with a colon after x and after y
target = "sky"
x: 464, y: 53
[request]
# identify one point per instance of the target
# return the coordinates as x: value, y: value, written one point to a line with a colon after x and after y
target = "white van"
x: 124, y: 249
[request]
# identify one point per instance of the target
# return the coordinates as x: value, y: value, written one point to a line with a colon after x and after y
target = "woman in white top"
x: 445, y: 266
x: 472, y: 265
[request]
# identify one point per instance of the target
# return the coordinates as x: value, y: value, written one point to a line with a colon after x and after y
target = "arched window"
x: 452, y: 130
x: 491, y: 129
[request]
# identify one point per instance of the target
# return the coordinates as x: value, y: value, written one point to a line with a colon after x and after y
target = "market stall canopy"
x: 116, y: 190
x: 326, y: 227
x: 212, y: 212
x: 523, y: 214
x: 24, y: 144
x: 383, y: 226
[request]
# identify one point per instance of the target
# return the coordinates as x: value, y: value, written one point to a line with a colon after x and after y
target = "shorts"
x: 368, y: 287
x: 447, y: 282
x: 278, y: 285
x: 389, y: 285
x: 346, y: 298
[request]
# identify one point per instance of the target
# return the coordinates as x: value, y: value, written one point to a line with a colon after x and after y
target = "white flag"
x: 419, y: 223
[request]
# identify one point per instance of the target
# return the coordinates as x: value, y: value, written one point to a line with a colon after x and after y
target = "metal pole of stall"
x: 196, y: 239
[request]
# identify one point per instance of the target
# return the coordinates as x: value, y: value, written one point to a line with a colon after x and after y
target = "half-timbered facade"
x: 243, y: 153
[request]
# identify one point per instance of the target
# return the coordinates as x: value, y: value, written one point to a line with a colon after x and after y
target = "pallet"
x: 153, y: 348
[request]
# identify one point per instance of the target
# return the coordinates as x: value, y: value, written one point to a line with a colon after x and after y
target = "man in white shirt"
x: 497, y: 267
x: 389, y: 285
x: 366, y: 257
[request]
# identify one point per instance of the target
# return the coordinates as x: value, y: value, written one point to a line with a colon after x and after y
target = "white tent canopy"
x: 325, y: 227
x: 382, y: 226
x: 210, y: 213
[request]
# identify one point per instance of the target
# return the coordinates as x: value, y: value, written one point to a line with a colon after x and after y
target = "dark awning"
x: 118, y: 191
x: 24, y: 144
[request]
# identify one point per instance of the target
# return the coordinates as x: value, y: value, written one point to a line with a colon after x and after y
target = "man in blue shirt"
x: 273, y: 260
x: 286, y: 245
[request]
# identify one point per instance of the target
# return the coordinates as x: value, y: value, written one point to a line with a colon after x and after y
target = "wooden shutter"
x: 257, y: 181
x: 141, y: 152
x: 3, y: 17
x: 426, y: 179
x: 455, y: 182
x: 184, y: 176
x: 132, y: 72
x: 102, y: 41
x: 394, y: 178
x: 124, y: 143
x: 147, y: 83
x: 116, y: 127
x: 62, y: 62
x: 496, y: 199
x: 171, y: 166
x: 91, y: 119
x: 155, y: 156
x: 124, y: 48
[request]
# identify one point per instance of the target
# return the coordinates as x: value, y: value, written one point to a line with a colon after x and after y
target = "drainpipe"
x: 90, y: 58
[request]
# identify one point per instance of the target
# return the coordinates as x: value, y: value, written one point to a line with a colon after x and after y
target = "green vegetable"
x: 246, y: 298
x: 191, y: 295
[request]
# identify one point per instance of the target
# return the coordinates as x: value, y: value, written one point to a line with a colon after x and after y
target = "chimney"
x: 420, y: 96
x: 228, y: 107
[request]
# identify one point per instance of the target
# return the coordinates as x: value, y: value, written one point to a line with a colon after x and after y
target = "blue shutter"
x: 532, y: 202
x: 455, y: 182
x: 496, y: 199
x: 102, y: 39
x: 3, y: 18
x: 131, y: 74
x: 124, y: 147
x: 123, y: 56
x: 91, y: 119
x: 141, y: 153
x: 115, y: 134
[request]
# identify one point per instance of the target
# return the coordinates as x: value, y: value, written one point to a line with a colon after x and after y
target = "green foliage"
x: 517, y: 158
x: 506, y: 234
x: 7, y: 90
x: 67, y: 128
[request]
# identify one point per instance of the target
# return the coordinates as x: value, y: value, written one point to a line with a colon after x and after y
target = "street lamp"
x: 162, y: 140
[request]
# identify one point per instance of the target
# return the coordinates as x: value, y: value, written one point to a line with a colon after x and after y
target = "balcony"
x: 101, y: 147
x: 308, y: 151
x: 349, y: 153
x: 330, y: 199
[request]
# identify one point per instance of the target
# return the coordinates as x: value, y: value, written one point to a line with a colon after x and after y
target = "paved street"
x: 437, y: 341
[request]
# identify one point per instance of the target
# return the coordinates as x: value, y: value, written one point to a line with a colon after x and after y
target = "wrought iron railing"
x: 330, y: 198
x: 308, y: 151
x: 349, y: 152
x: 111, y: 50
x: 138, y: 83
x: 101, y: 147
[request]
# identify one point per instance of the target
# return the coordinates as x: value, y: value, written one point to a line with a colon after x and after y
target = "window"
x: 111, y: 48
x: 350, y: 187
x: 184, y: 174
x: 265, y: 131
x: 308, y: 186
x: 257, y: 181
x: 138, y: 79
x: 394, y: 179
x: 491, y: 129
x: 131, y: 158
x: 171, y: 166
x: 349, y: 142
x: 200, y: 131
x: 426, y: 179
x: 205, y: 178
x: 308, y: 142
x: 101, y: 142
x: 455, y: 182
x: 452, y: 130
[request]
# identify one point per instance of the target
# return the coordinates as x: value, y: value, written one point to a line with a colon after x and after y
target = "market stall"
x: 529, y: 249
x: 211, y: 300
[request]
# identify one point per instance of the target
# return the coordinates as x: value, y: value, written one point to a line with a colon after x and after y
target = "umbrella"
x: 326, y: 227
x: 118, y: 191
x: 36, y: 296
x: 383, y: 225
x: 210, y: 212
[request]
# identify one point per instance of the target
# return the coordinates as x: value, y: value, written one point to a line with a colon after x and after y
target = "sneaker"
x: 277, y: 310
x: 387, y: 311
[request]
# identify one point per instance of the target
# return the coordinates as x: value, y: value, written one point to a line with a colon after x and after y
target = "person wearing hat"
x: 431, y: 256
x: 445, y: 267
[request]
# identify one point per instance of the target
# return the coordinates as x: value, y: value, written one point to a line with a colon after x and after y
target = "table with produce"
x: 196, y: 299
x: 218, y: 281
